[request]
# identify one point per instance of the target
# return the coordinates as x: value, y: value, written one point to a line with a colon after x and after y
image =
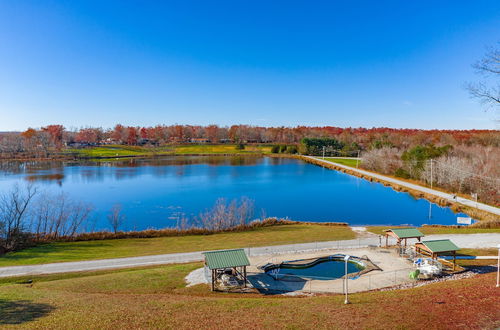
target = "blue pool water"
x: 154, y: 192
x: 324, y: 270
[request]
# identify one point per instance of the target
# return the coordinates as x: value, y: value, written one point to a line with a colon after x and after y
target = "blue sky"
x: 341, y: 63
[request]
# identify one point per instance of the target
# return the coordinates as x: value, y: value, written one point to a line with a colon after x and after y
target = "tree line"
x: 40, y: 143
x: 29, y: 216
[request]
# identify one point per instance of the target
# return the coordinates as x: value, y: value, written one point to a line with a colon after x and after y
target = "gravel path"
x: 490, y: 240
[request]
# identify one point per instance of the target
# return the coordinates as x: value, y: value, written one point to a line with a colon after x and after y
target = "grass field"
x: 157, y: 298
x: 119, y: 248
x: 220, y: 149
x: 343, y: 161
x: 379, y: 230
x: 136, y: 151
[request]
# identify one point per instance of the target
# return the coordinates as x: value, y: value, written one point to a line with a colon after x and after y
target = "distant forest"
x: 56, y: 136
x: 462, y: 161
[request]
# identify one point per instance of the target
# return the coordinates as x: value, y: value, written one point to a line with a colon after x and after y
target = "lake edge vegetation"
x: 29, y: 217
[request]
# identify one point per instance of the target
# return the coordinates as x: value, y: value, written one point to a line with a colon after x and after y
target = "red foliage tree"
x: 131, y: 135
x: 56, y: 134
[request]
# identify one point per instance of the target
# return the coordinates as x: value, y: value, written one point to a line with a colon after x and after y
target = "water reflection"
x: 122, y: 168
x: 154, y: 192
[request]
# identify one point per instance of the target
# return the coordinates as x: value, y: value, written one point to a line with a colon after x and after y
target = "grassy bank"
x: 344, y: 161
x: 110, y: 151
x: 429, y: 230
x: 456, y: 207
x: 120, y: 248
x: 157, y: 298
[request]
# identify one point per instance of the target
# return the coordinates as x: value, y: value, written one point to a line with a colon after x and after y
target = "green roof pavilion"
x: 223, y: 259
x: 403, y: 234
x: 437, y: 247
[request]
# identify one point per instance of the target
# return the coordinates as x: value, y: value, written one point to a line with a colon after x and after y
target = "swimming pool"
x: 323, y: 268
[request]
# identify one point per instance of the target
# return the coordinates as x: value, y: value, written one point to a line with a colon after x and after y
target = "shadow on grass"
x: 482, y: 269
x: 22, y: 311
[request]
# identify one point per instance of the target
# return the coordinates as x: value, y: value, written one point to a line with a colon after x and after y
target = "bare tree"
x: 116, y: 218
x: 384, y: 160
x: 224, y: 215
x: 56, y: 216
x: 14, y: 207
x: 488, y: 90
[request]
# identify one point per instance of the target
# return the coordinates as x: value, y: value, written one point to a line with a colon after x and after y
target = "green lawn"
x: 343, y: 161
x: 136, y: 151
x: 220, y: 149
x: 156, y: 297
x: 379, y: 230
x: 118, y: 248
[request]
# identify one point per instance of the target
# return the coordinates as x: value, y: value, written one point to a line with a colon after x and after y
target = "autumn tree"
x: 56, y: 134
x: 88, y: 135
x: 131, y: 135
x: 119, y: 133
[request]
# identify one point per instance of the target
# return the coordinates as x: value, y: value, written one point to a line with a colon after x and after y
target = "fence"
x: 315, y: 284
x: 315, y: 246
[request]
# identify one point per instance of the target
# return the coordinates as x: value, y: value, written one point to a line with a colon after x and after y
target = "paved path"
x: 464, y: 240
x: 461, y: 200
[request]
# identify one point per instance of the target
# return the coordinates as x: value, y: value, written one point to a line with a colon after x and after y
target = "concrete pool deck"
x: 395, y: 271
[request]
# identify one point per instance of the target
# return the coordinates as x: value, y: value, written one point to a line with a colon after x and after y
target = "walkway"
x: 461, y: 200
x: 465, y: 241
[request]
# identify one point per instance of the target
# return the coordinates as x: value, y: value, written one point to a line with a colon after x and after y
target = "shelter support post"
x: 213, y: 280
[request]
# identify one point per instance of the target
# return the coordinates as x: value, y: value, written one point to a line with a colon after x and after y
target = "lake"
x: 155, y: 192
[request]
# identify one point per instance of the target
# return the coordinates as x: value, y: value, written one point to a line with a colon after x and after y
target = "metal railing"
x: 315, y: 246
x: 316, y: 284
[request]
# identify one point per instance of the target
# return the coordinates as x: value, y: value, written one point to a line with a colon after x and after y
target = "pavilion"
x: 436, y: 247
x: 401, y: 234
x: 219, y: 261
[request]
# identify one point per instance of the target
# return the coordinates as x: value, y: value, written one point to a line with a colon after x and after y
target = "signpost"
x: 464, y: 220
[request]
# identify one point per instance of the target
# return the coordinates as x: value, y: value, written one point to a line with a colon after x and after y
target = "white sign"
x: 464, y: 220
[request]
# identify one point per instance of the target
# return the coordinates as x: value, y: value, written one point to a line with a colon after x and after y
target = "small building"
x: 435, y: 248
x: 199, y: 140
x: 219, y: 262
x: 401, y: 234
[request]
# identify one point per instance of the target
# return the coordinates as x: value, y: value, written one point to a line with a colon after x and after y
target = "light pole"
x: 357, y: 160
x: 474, y: 195
x: 431, y: 174
x: 498, y: 267
x: 346, y: 301
x: 323, y: 152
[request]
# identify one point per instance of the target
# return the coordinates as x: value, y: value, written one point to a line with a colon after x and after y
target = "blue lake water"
x: 154, y: 192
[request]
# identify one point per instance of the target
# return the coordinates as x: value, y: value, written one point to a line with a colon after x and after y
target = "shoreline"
x: 456, y: 207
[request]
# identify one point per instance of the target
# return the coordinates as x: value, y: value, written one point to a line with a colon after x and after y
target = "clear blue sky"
x: 340, y: 63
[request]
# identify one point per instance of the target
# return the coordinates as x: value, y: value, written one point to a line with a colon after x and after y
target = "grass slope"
x: 157, y: 298
x: 426, y: 230
x: 136, y: 151
x: 344, y: 161
x: 119, y: 248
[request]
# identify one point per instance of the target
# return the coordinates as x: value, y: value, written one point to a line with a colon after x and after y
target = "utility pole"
x: 346, y: 279
x: 324, y: 152
x: 357, y: 160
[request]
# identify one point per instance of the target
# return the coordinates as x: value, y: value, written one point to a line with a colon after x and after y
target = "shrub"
x: 291, y: 149
x: 314, y: 146
x: 275, y: 149
x: 402, y: 173
x: 240, y: 146
x: 282, y: 148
